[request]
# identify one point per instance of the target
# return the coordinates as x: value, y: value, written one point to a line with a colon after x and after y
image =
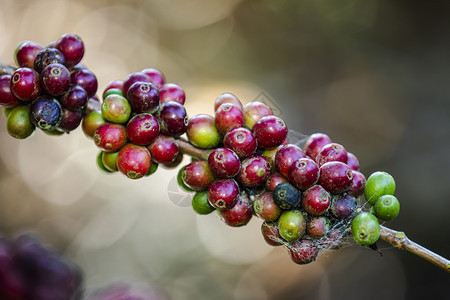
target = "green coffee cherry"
x: 200, y: 203
x: 180, y: 181
x: 365, y: 229
x: 386, y: 207
x: 377, y: 185
x: 18, y: 124
x: 291, y: 225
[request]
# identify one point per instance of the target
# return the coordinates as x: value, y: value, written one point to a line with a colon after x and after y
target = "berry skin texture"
x: 222, y: 193
x: 336, y: 177
x: 75, y: 99
x: 269, y: 231
x: 270, y: 132
x: 303, y: 174
x: 72, y: 47
x: 133, y: 78
x: 55, y: 79
x: 202, y: 132
x: 70, y: 120
x: 172, y: 118
x: 47, y: 56
x: 315, y: 143
x: 303, y: 251
x: 25, y: 54
x: 332, y: 152
x: 172, y: 92
x: 197, y: 175
x: 240, y: 214
x: 316, y: 200
x: 25, y: 84
x: 142, y: 129
x: 365, y: 229
x: 387, y: 207
x: 86, y: 79
x: 18, y: 124
x: 242, y: 141
x: 254, y: 171
x: 318, y: 227
x: 224, y: 163
x: 291, y: 225
x: 228, y: 116
x: 143, y: 97
x: 133, y: 161
x: 286, y: 156
x: 45, y: 112
x: 343, y: 206
x: 116, y: 109
x: 200, y: 203
x: 110, y: 137
x: 164, y: 149
x: 358, y: 184
x: 352, y: 161
x: 265, y: 207
x: 7, y: 98
x: 286, y: 196
x: 274, y: 180
x: 377, y: 185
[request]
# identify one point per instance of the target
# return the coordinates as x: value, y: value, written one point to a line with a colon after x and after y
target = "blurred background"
x: 371, y: 74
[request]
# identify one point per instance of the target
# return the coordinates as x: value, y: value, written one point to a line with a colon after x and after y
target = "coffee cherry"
x: 274, y: 180
x: 172, y: 118
x: 91, y: 121
x: 227, y: 117
x: 332, y: 152
x: 110, y: 137
x: 377, y: 185
x: 75, y: 99
x: 70, y: 120
x: 143, y: 97
x: 241, y: 141
x: 352, y: 161
x: 303, y: 251
x: 109, y: 160
x: 253, y: 111
x: 200, y: 203
x: 142, y: 129
x: 254, y: 171
x: 365, y: 229
x: 45, y: 112
x: 25, y: 84
x: 343, y: 206
x: 180, y: 181
x: 291, y: 225
x: 172, y: 92
x: 286, y: 196
x: 270, y: 154
x: 224, y: 163
x: 202, y: 132
x: 133, y: 161
x: 25, y: 54
x: 86, y: 79
x: 100, y: 164
x: 163, y: 149
x: 133, y: 78
x: 93, y: 104
x: 7, y: 98
x: 286, y: 156
x: 387, y: 207
x: 303, y: 174
x: 336, y: 177
x: 156, y: 76
x: 265, y: 207
x: 270, y: 132
x: 227, y: 98
x: 222, y: 193
x: 240, y: 214
x: 316, y: 200
x: 55, y: 79
x: 116, y: 109
x: 358, y: 184
x: 270, y: 234
x: 174, y: 163
x: 197, y: 175
x: 114, y: 84
x: 318, y: 227
x: 314, y: 144
x: 72, y: 47
x: 46, y: 57
x: 18, y: 124
x: 153, y: 168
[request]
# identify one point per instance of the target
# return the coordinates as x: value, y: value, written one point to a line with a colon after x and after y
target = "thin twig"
x: 6, y: 69
x: 189, y: 149
x: 399, y: 240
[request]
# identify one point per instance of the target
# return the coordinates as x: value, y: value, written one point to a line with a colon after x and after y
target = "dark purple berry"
x: 224, y: 163
x: 143, y: 97
x: 336, y: 177
x: 86, y: 79
x: 172, y: 118
x: 254, y: 171
x: 286, y: 196
x: 45, y: 112
x: 315, y: 143
x: 25, y: 84
x: 303, y: 174
x: 286, y: 156
x: 46, y: 57
x: 227, y: 117
x: 270, y: 132
x: 331, y: 152
x: 303, y: 251
x: 358, y: 184
x: 93, y: 104
x: 133, y: 78
x: 316, y: 200
x: 241, y: 141
x: 142, y: 129
x: 55, y: 79
x: 75, y: 99
x: 70, y: 120
x: 7, y: 98
x: 222, y: 193
x: 343, y: 206
x: 172, y: 92
x: 72, y: 47
x: 240, y: 214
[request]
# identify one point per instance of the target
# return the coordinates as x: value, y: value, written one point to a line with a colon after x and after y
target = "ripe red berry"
x: 197, y: 175
x: 70, y: 120
x: 86, y: 79
x: 110, y: 137
x: 143, y: 97
x: 227, y: 98
x: 253, y: 111
x: 227, y: 117
x: 156, y: 76
x: 55, y: 79
x: 336, y: 177
x: 240, y: 214
x: 75, y: 99
x: 318, y: 226
x: 265, y: 207
x: 224, y: 163
x: 172, y: 118
x: 142, y: 129
x: 274, y: 180
x: 316, y: 200
x: 133, y: 78
x: 332, y: 152
x: 303, y: 251
x: 172, y: 92
x: 286, y: 156
x: 25, y: 84
x: 163, y: 149
x: 270, y: 234
x: 134, y: 161
x: 270, y: 132
x: 114, y: 84
x: 314, y: 144
x: 303, y: 173
x: 72, y: 47
x: 352, y: 161
x: 222, y: 193
x: 241, y: 141
x: 358, y: 184
x: 254, y: 171
x: 25, y: 54
x: 7, y: 98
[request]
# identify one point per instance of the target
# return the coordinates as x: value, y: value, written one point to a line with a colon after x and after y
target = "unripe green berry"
x: 291, y: 225
x: 200, y: 203
x: 387, y: 207
x: 377, y: 185
x: 365, y: 229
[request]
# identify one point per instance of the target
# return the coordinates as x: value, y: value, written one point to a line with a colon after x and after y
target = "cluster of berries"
x: 136, y: 126
x: 50, y: 90
x: 31, y: 270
